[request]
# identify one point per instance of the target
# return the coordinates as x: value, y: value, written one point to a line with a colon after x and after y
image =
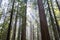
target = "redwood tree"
x: 10, y: 26
x: 43, y: 22
x: 23, y: 34
x: 52, y: 22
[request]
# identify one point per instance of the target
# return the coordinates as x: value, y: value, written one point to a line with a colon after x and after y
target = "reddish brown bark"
x: 43, y: 22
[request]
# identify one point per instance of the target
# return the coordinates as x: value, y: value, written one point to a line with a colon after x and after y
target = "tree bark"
x: 9, y: 27
x: 14, y: 31
x: 19, y: 30
x: 53, y: 24
x: 58, y: 4
x: 58, y: 28
x: 23, y: 34
x: 31, y: 31
x: 43, y: 22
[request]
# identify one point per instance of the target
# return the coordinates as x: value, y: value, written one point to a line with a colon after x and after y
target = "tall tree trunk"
x: 9, y: 27
x: 58, y: 28
x: 53, y: 24
x: 31, y: 31
x: 19, y: 30
x: 43, y: 22
x: 23, y: 34
x: 38, y: 32
x: 14, y: 31
x: 58, y: 4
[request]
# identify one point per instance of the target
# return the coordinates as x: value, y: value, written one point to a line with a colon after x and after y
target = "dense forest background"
x: 29, y: 20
